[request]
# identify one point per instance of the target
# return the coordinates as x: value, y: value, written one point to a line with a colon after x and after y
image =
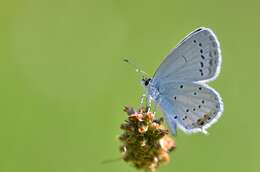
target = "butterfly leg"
x: 142, y: 98
x: 148, y: 101
x: 155, y: 108
x: 156, y: 104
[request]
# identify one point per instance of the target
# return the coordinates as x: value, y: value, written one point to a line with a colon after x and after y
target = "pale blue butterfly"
x: 179, y: 84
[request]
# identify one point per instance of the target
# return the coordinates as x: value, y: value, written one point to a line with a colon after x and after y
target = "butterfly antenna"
x: 138, y: 70
x: 111, y: 160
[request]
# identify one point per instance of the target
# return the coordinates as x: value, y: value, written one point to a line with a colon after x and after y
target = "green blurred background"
x: 63, y: 83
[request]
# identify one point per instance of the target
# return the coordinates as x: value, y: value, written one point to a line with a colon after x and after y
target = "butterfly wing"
x: 196, y: 58
x: 194, y: 107
x: 183, y: 97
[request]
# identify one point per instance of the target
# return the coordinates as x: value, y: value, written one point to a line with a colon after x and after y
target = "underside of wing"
x: 194, y: 107
x: 196, y: 58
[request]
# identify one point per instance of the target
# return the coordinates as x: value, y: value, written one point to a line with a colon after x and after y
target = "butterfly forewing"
x: 196, y: 58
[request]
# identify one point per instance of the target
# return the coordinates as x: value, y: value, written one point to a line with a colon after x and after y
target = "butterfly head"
x: 145, y: 81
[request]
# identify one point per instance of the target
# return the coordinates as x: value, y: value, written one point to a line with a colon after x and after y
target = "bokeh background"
x: 63, y: 83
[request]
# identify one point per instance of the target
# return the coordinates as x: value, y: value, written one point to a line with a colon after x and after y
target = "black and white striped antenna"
x: 138, y: 70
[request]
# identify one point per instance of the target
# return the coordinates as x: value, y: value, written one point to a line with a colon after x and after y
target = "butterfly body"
x: 179, y: 84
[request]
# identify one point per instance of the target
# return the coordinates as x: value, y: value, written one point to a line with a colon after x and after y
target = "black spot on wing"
x: 201, y: 72
x: 211, y: 37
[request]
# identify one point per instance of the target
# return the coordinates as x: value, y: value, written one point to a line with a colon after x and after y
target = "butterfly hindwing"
x: 194, y: 107
x: 196, y: 58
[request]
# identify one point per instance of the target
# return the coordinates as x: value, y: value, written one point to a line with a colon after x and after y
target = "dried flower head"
x: 145, y: 142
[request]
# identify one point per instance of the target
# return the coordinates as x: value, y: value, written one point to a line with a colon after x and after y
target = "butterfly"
x: 179, y: 85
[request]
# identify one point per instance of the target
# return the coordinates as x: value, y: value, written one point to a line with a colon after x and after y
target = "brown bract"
x: 145, y: 142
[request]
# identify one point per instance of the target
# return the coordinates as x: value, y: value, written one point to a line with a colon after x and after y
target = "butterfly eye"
x: 147, y: 81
